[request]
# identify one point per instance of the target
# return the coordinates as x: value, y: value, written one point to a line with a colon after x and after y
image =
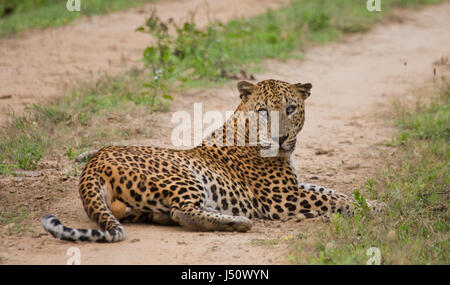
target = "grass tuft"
x: 22, y: 146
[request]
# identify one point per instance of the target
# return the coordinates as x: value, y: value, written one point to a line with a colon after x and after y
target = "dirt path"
x: 354, y: 83
x: 38, y: 65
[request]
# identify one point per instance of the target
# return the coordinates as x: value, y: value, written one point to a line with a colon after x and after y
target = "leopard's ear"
x: 303, y: 89
x: 245, y: 89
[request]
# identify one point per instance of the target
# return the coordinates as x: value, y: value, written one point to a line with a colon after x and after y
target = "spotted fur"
x: 211, y: 187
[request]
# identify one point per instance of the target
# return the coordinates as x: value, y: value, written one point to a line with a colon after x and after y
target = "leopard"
x: 222, y: 184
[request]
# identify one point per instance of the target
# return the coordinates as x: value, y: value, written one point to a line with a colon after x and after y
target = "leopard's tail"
x: 58, y: 230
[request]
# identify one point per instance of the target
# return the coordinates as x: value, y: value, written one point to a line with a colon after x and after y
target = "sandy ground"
x: 354, y: 83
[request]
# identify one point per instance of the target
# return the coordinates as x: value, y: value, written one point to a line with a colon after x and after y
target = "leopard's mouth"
x: 276, y: 150
x: 274, y: 145
x: 289, y: 146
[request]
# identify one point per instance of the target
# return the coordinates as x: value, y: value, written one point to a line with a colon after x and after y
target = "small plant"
x: 69, y: 153
x: 189, y: 52
x: 370, y: 187
x: 337, y: 222
x: 360, y: 201
x: 5, y: 168
x: 29, y: 155
x: 154, y: 89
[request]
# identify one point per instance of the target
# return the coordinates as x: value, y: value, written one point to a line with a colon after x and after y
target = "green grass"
x: 414, y: 229
x: 26, y: 14
x: 427, y: 122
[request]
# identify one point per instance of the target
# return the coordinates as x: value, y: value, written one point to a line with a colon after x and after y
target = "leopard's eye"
x: 263, y: 112
x: 290, y: 109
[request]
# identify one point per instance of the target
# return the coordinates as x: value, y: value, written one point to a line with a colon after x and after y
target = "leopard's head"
x: 277, y: 100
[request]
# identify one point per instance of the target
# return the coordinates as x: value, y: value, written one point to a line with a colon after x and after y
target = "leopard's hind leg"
x: 93, y: 196
x: 126, y: 214
x: 190, y: 211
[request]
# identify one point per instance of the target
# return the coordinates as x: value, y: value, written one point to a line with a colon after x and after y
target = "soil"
x: 355, y: 82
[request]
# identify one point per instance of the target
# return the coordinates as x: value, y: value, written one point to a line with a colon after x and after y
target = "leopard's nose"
x: 281, y: 139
